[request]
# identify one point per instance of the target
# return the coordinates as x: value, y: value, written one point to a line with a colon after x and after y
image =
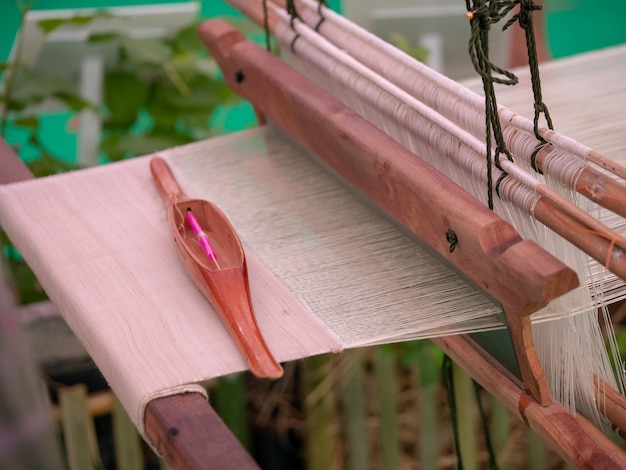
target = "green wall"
x: 575, y: 26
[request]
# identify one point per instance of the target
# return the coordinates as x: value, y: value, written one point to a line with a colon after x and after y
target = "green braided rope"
x: 482, y: 14
x: 448, y: 381
x: 525, y: 20
x: 493, y: 464
x: 293, y: 11
x: 266, y: 27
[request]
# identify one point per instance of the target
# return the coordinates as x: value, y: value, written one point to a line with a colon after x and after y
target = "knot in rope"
x: 525, y: 19
x: 320, y: 12
x: 293, y: 13
x: 525, y: 15
x: 482, y: 14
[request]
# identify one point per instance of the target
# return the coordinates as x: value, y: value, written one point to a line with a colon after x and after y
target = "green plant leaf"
x: 124, y: 95
x: 30, y: 122
x: 109, y: 145
x: 28, y: 288
x: 146, y: 51
x: 402, y: 42
x: 32, y: 88
x: 188, y: 40
x: 144, y: 144
x: 50, y: 24
x: 105, y: 37
x: 72, y: 100
x: 46, y: 164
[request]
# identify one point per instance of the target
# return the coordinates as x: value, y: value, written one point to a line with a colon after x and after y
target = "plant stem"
x: 466, y: 416
x: 229, y: 400
x: 319, y: 414
x: 427, y: 417
x: 536, y: 451
x: 500, y: 427
x: 10, y: 83
x: 385, y: 376
x: 127, y: 444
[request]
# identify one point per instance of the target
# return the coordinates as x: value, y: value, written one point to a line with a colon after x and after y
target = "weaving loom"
x: 321, y: 261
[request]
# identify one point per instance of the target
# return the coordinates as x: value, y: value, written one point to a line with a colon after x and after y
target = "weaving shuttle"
x: 224, y: 284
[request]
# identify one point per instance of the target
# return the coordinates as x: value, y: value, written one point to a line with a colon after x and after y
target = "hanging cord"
x: 320, y: 12
x: 525, y: 20
x: 493, y: 465
x: 293, y: 13
x: 482, y: 14
x: 448, y: 379
x: 266, y: 27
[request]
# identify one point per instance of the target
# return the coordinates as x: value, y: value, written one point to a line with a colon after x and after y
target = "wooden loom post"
x: 184, y: 428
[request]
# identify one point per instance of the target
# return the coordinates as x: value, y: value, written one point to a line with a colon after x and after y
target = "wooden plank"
x: 190, y: 434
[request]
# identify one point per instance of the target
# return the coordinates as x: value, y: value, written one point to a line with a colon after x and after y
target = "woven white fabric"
x: 98, y: 241
x: 325, y: 271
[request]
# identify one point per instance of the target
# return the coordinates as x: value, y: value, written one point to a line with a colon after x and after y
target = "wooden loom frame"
x: 378, y: 167
x: 181, y: 425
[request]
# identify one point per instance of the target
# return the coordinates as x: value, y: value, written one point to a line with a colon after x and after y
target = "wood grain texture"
x: 191, y: 436
x: 489, y: 250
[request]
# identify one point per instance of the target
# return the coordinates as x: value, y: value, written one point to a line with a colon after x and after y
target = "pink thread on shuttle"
x: 203, y: 239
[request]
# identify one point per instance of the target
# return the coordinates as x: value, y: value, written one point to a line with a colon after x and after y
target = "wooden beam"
x: 190, y: 434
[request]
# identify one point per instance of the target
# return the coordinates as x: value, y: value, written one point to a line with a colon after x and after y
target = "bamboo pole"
x: 466, y: 419
x: 126, y: 441
x: 79, y: 432
x: 321, y: 443
x: 427, y: 393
